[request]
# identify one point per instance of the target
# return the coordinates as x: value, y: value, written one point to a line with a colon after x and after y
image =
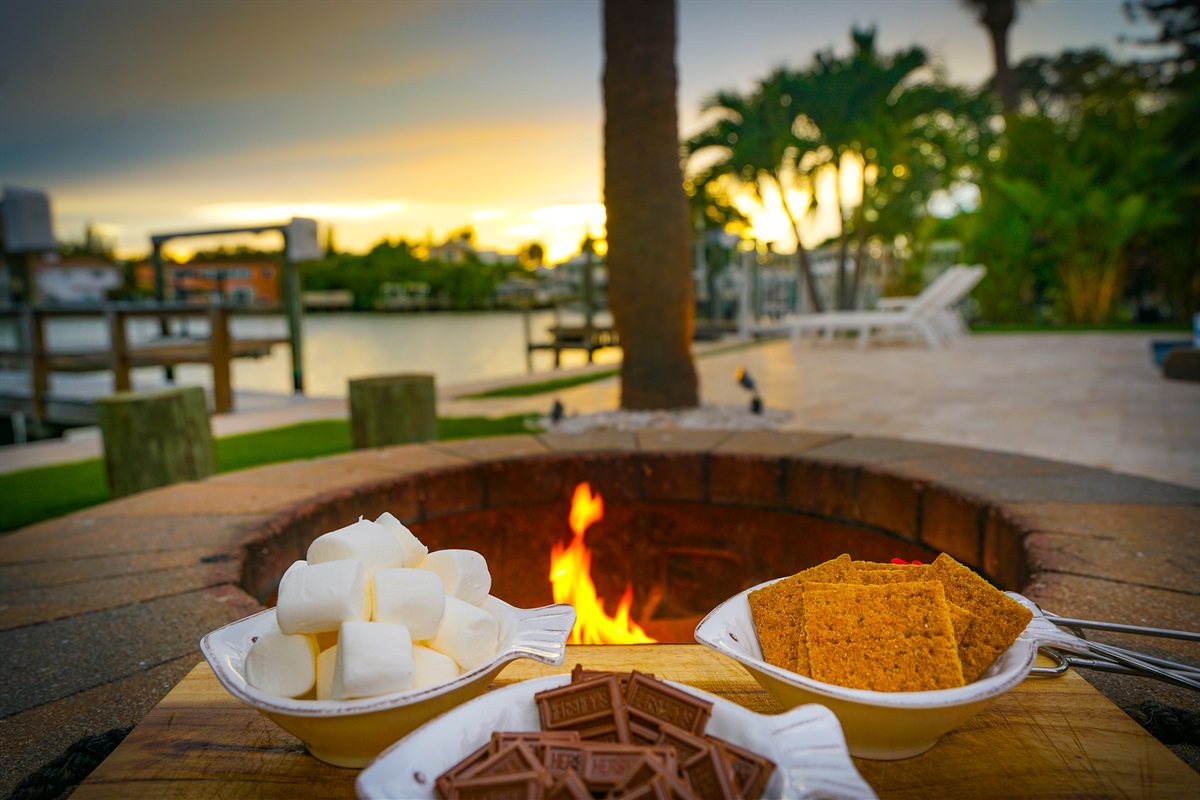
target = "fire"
x: 571, y: 578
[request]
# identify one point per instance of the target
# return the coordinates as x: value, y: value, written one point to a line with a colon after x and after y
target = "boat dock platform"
x: 589, y: 338
x: 27, y: 366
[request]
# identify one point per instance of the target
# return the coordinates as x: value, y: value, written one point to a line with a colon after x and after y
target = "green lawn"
x: 541, y: 387
x: 42, y: 493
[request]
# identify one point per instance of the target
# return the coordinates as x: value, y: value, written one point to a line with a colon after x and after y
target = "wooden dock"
x: 589, y: 338
x: 26, y: 386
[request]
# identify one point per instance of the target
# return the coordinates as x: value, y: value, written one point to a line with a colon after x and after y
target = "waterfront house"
x: 74, y: 280
x: 234, y: 282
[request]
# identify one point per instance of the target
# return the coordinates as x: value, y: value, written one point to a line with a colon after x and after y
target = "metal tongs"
x: 1110, y: 658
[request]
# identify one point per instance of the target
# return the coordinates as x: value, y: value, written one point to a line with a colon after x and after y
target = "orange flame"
x: 571, y: 579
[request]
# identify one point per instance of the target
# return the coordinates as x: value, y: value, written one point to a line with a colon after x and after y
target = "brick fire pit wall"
x: 101, y: 611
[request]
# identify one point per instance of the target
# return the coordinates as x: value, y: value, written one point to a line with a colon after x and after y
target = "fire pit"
x: 663, y: 535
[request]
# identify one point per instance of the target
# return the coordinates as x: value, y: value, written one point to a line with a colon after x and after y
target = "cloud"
x: 73, y: 58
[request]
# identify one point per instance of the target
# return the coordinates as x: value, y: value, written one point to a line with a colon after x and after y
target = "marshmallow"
x: 414, y: 551
x: 464, y: 573
x: 326, y: 667
x: 414, y: 598
x: 432, y: 668
x: 468, y: 634
x: 370, y: 543
x: 506, y: 618
x: 281, y: 664
x: 320, y: 597
x: 373, y: 658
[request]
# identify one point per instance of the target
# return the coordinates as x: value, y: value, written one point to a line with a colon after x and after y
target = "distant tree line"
x: 469, y: 284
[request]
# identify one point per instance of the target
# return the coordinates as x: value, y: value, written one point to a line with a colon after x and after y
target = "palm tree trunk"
x: 650, y: 287
x: 806, y: 272
x: 843, y: 242
x: 860, y: 236
x: 998, y: 16
x: 1005, y: 87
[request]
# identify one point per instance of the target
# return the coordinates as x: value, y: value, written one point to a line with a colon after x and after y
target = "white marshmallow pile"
x: 371, y: 611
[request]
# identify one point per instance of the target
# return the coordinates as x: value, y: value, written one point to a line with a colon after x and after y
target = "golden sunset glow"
x: 251, y: 213
x: 850, y: 176
x: 486, y: 214
x: 571, y: 579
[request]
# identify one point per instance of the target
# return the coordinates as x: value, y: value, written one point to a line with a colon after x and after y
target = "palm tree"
x: 939, y: 141
x: 761, y: 149
x: 650, y: 288
x: 998, y: 16
x: 532, y: 255
x: 859, y: 103
x: 713, y: 213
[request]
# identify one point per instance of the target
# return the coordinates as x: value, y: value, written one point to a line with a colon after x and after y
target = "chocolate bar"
x: 516, y: 757
x: 650, y: 703
x: 655, y: 789
x: 569, y: 787
x: 605, y: 765
x: 580, y: 674
x: 686, y: 744
x: 652, y: 778
x: 595, y: 708
x: 446, y: 780
x: 535, y: 740
x: 710, y: 775
x: 750, y: 770
x: 561, y: 757
x: 511, y: 786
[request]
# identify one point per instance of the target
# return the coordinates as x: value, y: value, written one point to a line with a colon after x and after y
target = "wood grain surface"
x: 1047, y: 738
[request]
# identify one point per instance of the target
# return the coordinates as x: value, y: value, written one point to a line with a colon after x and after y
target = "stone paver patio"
x: 1095, y: 399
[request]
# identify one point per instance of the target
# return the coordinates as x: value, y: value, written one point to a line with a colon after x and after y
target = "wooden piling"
x: 392, y: 409
x: 39, y: 366
x: 220, y: 352
x: 155, y: 438
x: 119, y: 346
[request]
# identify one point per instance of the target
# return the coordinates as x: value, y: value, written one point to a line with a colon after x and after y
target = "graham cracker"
x: 778, y: 612
x: 961, y: 619
x: 878, y: 565
x: 895, y: 573
x: 907, y: 664
x: 892, y: 637
x: 998, y: 619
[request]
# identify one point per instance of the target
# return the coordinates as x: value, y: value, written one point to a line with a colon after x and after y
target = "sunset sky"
x: 398, y: 118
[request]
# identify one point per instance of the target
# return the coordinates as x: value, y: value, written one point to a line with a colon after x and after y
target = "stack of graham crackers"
x: 886, y: 627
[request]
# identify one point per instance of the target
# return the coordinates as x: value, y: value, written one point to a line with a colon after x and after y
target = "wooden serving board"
x: 1047, y: 738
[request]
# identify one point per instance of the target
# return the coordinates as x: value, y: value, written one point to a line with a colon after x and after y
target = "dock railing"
x: 121, y: 356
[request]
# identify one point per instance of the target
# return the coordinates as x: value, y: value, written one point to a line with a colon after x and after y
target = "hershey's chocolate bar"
x: 650, y: 703
x: 594, y: 708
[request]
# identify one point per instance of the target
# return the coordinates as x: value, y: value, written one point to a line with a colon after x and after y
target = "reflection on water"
x: 456, y: 348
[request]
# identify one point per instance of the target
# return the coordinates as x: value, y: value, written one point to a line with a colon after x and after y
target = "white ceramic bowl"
x: 881, y: 725
x: 351, y: 733
x: 806, y: 744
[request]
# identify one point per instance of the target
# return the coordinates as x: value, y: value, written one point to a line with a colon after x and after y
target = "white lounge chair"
x: 928, y: 315
x: 958, y: 281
